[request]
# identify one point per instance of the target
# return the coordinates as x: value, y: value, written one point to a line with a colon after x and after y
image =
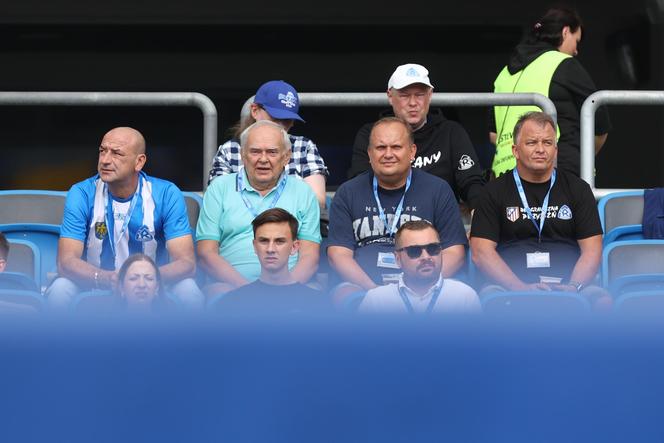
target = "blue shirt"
x: 226, y: 219
x: 169, y: 217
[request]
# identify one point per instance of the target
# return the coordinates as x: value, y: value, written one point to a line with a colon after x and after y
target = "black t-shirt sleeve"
x: 486, y: 218
x: 586, y: 215
x: 360, y: 159
x: 468, y: 173
x: 571, y: 75
x: 448, y: 218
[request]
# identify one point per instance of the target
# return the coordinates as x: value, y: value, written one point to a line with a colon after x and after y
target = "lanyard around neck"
x: 526, y: 206
x: 109, y: 215
x: 391, y: 230
x: 409, y: 306
x: 247, y: 203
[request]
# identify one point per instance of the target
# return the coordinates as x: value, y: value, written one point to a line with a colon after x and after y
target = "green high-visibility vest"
x: 536, y: 77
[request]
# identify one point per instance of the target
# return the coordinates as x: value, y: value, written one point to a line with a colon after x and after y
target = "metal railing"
x: 438, y: 99
x: 201, y: 101
x: 588, y: 109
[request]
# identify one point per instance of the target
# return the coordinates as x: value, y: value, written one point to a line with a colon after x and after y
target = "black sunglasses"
x: 416, y: 250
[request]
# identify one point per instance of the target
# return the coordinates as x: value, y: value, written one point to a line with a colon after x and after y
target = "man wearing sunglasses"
x: 421, y: 287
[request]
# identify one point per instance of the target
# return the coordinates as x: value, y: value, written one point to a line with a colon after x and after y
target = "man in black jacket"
x: 443, y: 146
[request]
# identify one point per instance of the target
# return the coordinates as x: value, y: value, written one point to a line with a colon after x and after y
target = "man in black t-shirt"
x: 537, y: 227
x: 276, y: 291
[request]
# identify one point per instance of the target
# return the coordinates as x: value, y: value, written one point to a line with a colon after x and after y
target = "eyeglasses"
x: 416, y: 250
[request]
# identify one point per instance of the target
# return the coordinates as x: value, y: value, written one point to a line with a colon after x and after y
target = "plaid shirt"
x: 305, y: 159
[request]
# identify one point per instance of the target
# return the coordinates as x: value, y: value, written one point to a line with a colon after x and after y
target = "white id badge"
x: 538, y: 260
x: 387, y: 260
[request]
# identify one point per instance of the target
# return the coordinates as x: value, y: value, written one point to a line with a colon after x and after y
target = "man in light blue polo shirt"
x: 224, y: 233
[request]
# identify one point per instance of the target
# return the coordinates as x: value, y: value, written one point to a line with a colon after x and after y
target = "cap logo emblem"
x: 412, y: 72
x: 289, y: 100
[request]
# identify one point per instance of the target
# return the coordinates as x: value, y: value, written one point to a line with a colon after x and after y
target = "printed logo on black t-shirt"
x: 465, y: 162
x: 565, y: 213
x: 513, y: 213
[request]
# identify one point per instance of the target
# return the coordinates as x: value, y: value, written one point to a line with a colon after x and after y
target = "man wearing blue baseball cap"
x: 279, y: 102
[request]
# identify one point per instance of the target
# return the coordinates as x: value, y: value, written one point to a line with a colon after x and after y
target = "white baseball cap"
x: 408, y: 74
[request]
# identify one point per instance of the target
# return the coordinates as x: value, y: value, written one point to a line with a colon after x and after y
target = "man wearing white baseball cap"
x: 444, y: 148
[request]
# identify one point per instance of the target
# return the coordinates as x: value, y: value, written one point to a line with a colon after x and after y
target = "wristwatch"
x: 576, y: 284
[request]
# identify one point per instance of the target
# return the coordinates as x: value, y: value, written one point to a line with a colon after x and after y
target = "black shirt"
x: 571, y: 216
x: 260, y: 298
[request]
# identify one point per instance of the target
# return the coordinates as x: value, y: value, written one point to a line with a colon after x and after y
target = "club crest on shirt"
x: 143, y: 234
x: 513, y: 213
x: 101, y: 230
x: 565, y: 213
x: 465, y: 162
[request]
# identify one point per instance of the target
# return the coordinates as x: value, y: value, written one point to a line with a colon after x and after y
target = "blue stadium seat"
x: 194, y: 203
x: 17, y: 280
x: 621, y: 215
x: 631, y: 258
x: 32, y: 206
x: 641, y: 303
x: 534, y: 303
x: 637, y: 282
x: 12, y: 300
x: 25, y: 258
x: 45, y: 237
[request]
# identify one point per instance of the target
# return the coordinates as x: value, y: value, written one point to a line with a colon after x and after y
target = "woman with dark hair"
x: 139, y: 283
x: 544, y: 62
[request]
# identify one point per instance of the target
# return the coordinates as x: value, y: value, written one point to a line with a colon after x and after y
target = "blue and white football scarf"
x: 106, y: 251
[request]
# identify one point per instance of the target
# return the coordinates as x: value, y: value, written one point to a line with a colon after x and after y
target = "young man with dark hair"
x: 276, y: 290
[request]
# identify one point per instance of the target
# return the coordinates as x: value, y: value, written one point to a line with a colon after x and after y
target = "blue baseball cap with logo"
x: 279, y: 99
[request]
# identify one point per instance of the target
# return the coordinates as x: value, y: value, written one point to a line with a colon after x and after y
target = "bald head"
x: 127, y: 136
x: 121, y: 159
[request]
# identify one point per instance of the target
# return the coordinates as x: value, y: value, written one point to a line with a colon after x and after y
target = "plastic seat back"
x: 45, y: 237
x: 25, y: 258
x: 21, y: 301
x: 632, y: 257
x: 649, y: 304
x: 618, y: 210
x: 194, y: 203
x: 17, y: 280
x: 32, y: 206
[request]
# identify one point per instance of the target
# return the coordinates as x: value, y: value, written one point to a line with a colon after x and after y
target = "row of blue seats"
x: 533, y: 304
x: 30, y: 219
